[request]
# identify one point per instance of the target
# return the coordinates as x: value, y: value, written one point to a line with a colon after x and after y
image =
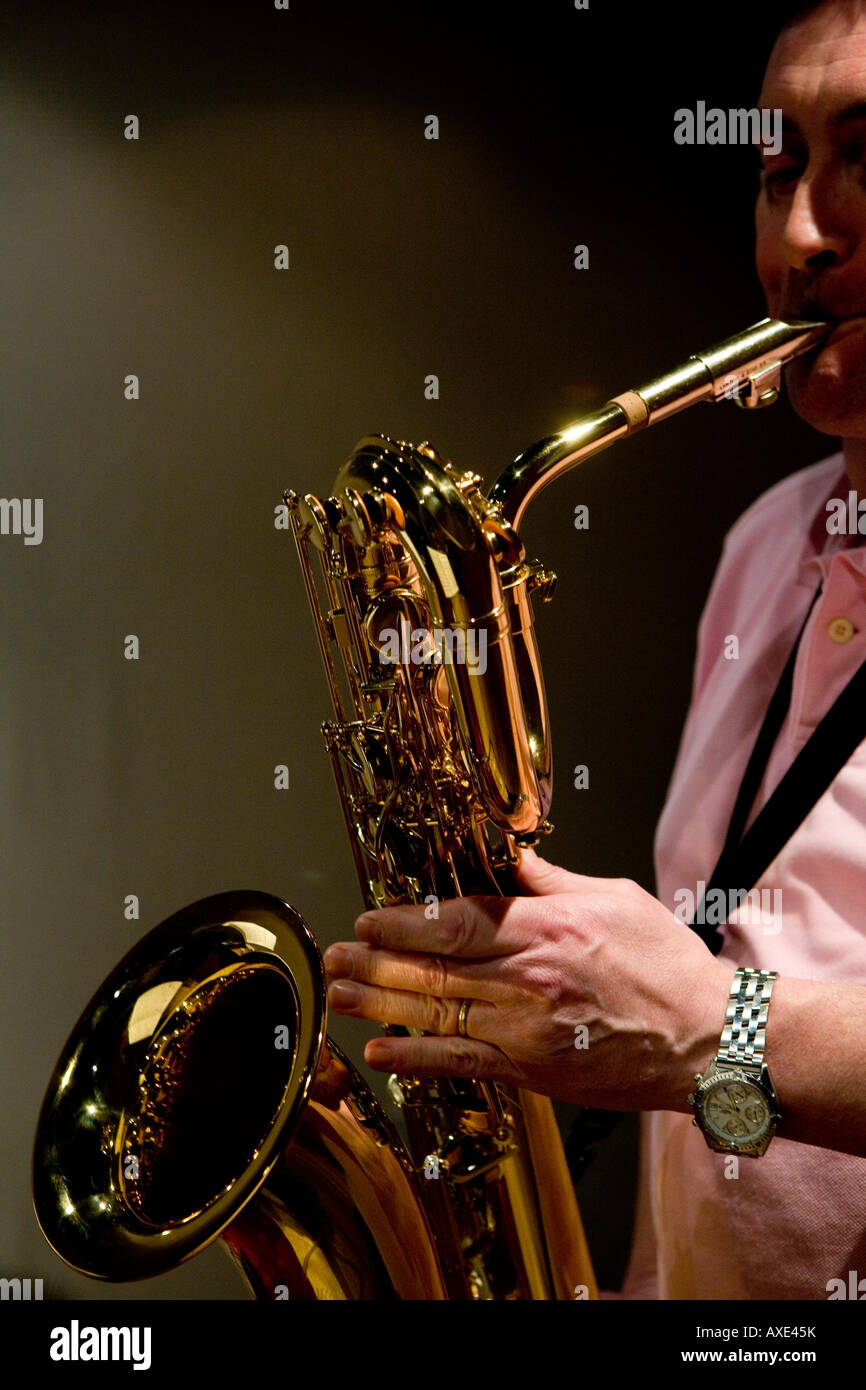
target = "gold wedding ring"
x: 462, y: 1016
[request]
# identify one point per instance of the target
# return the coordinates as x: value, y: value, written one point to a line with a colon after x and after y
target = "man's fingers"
x: 472, y: 927
x: 439, y: 1057
x: 399, y: 1007
x: 478, y: 927
x: 443, y: 976
x: 538, y: 878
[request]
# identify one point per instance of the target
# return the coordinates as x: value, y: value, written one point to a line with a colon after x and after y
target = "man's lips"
x: 841, y: 324
x: 843, y: 327
x: 819, y: 313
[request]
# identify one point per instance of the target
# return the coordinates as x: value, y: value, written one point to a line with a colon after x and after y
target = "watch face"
x: 735, y: 1110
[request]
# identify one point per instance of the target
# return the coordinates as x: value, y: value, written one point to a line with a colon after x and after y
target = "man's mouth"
x: 822, y: 313
x: 843, y: 322
x: 843, y: 326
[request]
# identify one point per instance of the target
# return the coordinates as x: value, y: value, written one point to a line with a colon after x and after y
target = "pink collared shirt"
x: 796, y: 1218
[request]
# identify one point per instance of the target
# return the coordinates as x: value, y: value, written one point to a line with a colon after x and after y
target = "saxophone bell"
x: 198, y: 1096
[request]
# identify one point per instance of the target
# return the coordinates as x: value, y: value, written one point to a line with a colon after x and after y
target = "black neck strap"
x: 745, y: 857
x: 769, y: 732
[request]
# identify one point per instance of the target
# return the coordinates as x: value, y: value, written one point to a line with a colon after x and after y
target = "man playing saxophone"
x: 511, y: 989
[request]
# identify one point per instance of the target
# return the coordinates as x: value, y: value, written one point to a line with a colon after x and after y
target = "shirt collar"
x: 820, y: 546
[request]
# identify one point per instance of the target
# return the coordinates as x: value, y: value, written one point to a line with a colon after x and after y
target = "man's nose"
x: 815, y: 233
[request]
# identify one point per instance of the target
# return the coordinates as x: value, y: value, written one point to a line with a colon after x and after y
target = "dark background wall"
x: 408, y: 257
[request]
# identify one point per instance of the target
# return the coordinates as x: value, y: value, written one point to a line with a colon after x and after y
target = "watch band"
x: 744, y: 1035
x: 734, y: 1100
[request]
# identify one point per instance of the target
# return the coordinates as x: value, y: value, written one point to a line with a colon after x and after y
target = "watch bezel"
x: 719, y: 1074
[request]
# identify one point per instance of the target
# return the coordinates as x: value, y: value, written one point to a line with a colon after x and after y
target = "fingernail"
x: 378, y: 1053
x: 368, y: 929
x: 344, y: 995
x: 338, y: 962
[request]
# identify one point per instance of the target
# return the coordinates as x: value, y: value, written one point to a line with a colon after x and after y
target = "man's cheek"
x: 768, y: 262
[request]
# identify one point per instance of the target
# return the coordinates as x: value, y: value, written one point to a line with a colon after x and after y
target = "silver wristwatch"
x: 734, y: 1101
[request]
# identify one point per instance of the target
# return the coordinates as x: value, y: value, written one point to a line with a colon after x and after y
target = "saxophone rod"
x: 746, y: 368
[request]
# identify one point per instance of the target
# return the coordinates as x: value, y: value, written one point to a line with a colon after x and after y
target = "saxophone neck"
x: 746, y: 368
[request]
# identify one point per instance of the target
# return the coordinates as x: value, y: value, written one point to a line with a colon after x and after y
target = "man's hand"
x: 587, y: 989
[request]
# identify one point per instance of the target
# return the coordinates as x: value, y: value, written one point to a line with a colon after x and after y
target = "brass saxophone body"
x: 198, y: 1094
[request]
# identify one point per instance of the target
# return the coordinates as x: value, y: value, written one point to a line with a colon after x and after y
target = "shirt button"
x: 841, y: 630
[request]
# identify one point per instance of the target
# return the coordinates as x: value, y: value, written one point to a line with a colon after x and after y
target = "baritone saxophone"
x: 199, y: 1095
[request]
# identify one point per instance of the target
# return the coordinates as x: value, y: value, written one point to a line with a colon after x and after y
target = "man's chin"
x: 828, y: 387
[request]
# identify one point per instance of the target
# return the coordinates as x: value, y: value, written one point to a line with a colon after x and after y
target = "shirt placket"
x: 833, y: 646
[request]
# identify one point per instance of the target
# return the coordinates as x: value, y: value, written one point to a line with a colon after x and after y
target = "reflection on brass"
x: 198, y: 1095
